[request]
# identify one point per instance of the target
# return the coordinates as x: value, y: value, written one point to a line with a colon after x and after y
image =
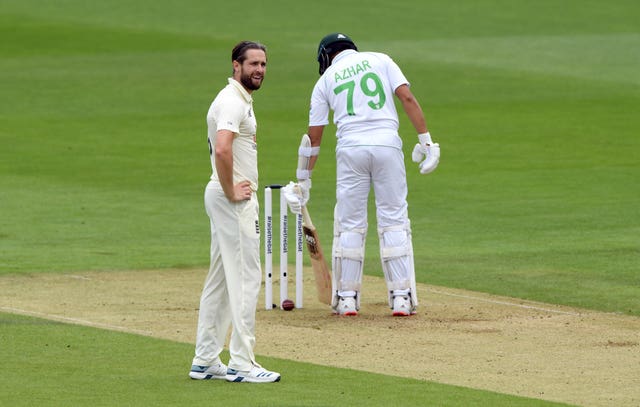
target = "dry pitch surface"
x: 462, y: 338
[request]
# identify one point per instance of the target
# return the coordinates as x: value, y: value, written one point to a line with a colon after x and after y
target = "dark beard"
x: 248, y: 83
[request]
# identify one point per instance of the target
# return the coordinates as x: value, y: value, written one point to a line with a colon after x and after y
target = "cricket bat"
x: 318, y: 262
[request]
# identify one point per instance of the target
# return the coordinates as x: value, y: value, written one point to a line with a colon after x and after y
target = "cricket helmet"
x: 331, y: 44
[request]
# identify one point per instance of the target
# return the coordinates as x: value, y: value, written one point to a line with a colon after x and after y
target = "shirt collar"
x: 343, y: 54
x: 246, y: 95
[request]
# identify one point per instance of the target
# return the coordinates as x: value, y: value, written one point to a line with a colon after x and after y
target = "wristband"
x: 308, y: 151
x: 425, y: 138
x: 303, y: 174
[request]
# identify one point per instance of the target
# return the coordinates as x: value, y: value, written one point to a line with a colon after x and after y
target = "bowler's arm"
x: 224, y: 168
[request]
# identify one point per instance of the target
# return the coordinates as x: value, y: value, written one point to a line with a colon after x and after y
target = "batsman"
x: 359, y: 87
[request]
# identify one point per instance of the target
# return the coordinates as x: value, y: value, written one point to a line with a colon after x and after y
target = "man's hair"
x: 239, y: 52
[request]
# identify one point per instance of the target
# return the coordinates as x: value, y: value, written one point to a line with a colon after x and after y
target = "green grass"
x: 103, y: 156
x: 104, y: 160
x: 63, y: 365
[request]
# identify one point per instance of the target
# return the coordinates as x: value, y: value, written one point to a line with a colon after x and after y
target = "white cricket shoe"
x: 215, y: 371
x: 347, y: 306
x: 402, y: 306
x: 257, y: 374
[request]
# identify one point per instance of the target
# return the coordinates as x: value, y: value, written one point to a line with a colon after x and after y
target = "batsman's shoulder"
x: 378, y: 55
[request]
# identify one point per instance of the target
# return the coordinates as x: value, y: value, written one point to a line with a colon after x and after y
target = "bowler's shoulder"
x: 227, y: 101
x: 230, y: 94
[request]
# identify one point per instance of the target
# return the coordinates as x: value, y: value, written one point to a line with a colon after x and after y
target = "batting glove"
x: 426, y: 153
x: 297, y: 195
x: 305, y: 190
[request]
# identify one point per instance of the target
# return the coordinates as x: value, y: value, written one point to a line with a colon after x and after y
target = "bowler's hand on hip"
x: 241, y: 191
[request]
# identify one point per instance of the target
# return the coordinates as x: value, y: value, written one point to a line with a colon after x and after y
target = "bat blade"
x: 318, y: 262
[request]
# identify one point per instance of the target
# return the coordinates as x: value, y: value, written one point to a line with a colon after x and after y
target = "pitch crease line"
x: 511, y: 304
x: 74, y: 320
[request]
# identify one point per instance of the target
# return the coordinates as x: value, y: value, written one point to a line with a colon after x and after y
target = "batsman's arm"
x: 412, y: 108
x: 315, y: 135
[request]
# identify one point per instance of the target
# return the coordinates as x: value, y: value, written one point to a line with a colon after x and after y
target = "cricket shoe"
x: 347, y: 306
x: 257, y: 374
x: 215, y: 371
x: 402, y: 306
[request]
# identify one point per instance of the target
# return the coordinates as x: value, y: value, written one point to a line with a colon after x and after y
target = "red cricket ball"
x: 288, y: 305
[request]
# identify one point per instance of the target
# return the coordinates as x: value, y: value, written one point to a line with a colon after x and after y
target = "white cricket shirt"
x: 359, y: 87
x: 232, y: 110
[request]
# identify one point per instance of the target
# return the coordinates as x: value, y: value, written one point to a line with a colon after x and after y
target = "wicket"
x: 284, y: 243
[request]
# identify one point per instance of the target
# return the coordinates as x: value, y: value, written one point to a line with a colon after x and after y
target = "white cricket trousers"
x: 358, y: 169
x: 230, y: 293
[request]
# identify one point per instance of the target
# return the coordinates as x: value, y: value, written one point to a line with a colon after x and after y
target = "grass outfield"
x: 103, y: 156
x: 68, y: 365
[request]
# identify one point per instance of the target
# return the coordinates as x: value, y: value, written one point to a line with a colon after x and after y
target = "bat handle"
x: 306, y: 218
